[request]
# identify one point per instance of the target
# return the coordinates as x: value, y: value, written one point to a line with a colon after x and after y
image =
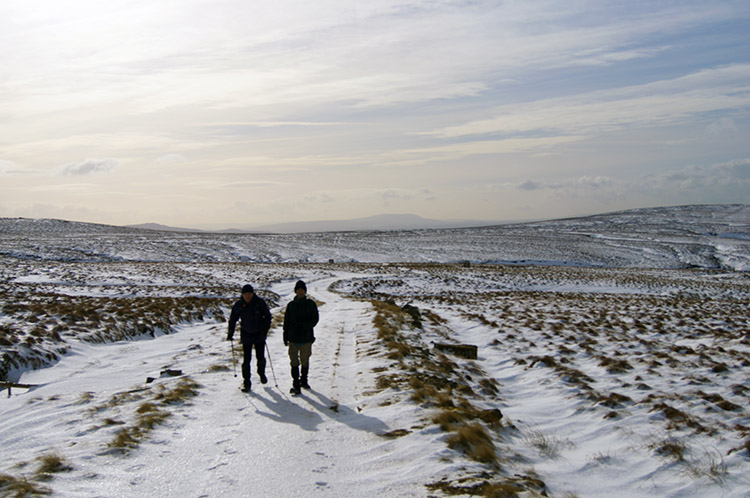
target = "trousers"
x: 299, y: 354
x: 260, y: 359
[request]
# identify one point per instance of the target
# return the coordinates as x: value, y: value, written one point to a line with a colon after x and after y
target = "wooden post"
x: 10, y: 385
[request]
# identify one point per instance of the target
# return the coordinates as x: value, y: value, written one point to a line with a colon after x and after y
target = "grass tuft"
x: 475, y: 442
x: 52, y: 464
x: 15, y: 487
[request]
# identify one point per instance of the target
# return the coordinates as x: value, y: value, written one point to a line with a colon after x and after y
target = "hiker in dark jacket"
x: 255, y: 318
x: 300, y: 318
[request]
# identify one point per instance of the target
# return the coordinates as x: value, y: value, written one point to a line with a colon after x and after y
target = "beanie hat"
x: 300, y: 285
x: 247, y: 288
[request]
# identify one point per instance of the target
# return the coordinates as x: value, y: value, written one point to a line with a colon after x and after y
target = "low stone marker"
x: 464, y: 350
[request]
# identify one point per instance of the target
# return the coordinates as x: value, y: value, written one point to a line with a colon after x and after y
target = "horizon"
x: 400, y: 221
x: 205, y: 116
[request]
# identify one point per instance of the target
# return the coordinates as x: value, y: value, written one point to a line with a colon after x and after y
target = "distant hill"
x: 163, y: 228
x: 370, y: 223
x: 708, y: 237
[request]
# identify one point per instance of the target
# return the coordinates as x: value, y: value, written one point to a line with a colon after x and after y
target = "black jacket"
x: 300, y: 318
x: 256, y: 320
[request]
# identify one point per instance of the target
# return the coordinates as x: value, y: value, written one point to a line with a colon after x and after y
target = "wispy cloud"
x: 323, y: 108
x: 11, y: 168
x: 722, y: 179
x: 89, y: 167
x: 7, y: 167
x: 653, y: 104
x: 733, y: 174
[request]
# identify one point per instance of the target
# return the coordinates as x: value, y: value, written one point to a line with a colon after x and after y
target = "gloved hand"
x: 286, y: 343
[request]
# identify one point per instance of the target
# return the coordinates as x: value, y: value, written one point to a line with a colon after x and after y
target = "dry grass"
x: 517, y: 486
x: 47, y: 321
x: 430, y: 382
x: 185, y: 389
x: 671, y: 449
x: 150, y: 414
x: 475, y: 441
x: 547, y: 445
x: 50, y: 464
x: 18, y: 487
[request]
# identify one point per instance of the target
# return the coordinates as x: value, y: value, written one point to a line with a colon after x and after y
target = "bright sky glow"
x: 232, y: 114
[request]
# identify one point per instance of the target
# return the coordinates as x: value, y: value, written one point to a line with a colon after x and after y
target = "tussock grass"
x: 150, y: 414
x: 19, y: 487
x: 516, y: 486
x: 547, y: 445
x: 678, y: 419
x: 710, y: 465
x: 50, y: 464
x: 671, y: 449
x: 186, y: 388
x: 431, y: 385
x: 475, y: 441
x: 47, y: 321
x: 448, y: 420
x: 421, y: 392
x: 219, y: 367
x: 85, y: 397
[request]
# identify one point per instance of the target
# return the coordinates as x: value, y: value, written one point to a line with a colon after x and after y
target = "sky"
x: 226, y: 113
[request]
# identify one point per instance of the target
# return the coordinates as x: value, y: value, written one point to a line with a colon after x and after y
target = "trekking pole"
x: 234, y: 363
x: 268, y: 353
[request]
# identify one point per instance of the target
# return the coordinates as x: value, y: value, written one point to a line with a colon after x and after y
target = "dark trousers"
x: 260, y: 359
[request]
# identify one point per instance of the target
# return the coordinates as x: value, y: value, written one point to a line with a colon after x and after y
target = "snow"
x: 678, y: 237
x: 224, y: 443
x: 613, y: 381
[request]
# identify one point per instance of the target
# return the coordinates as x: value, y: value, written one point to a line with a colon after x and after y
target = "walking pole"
x: 268, y: 353
x: 234, y: 363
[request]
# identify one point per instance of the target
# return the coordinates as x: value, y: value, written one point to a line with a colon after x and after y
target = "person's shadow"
x: 344, y: 414
x: 280, y: 409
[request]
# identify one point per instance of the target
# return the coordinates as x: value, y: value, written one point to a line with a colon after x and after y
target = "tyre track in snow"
x: 222, y: 442
x: 227, y: 443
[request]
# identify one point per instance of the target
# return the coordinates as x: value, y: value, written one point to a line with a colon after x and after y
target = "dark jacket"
x: 300, y: 318
x: 255, y: 320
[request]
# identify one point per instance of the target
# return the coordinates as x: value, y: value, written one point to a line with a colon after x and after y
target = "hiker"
x: 300, y: 318
x: 256, y: 320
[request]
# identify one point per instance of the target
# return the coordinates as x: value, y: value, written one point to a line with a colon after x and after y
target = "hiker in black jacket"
x: 300, y: 318
x: 255, y: 318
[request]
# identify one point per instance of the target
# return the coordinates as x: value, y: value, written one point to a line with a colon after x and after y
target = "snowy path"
x: 224, y: 442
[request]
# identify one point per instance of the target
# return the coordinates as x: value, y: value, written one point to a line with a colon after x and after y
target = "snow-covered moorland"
x: 619, y: 369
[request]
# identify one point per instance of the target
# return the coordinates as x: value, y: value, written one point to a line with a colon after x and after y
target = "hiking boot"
x: 303, y: 380
x: 295, y: 390
x: 245, y: 387
x: 295, y: 381
x: 263, y: 378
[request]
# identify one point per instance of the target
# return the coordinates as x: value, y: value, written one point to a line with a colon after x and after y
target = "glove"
x: 286, y: 343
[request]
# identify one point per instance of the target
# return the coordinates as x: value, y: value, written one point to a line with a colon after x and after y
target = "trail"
x: 326, y: 442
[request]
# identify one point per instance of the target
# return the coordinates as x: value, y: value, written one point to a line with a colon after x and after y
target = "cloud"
x: 323, y: 198
x: 171, y: 159
x: 529, y: 185
x: 11, y: 168
x: 583, y: 183
x: 727, y: 182
x: 7, y: 167
x: 249, y: 184
x: 89, y: 167
x: 722, y: 126
x: 658, y: 103
x: 272, y: 124
x: 729, y: 175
